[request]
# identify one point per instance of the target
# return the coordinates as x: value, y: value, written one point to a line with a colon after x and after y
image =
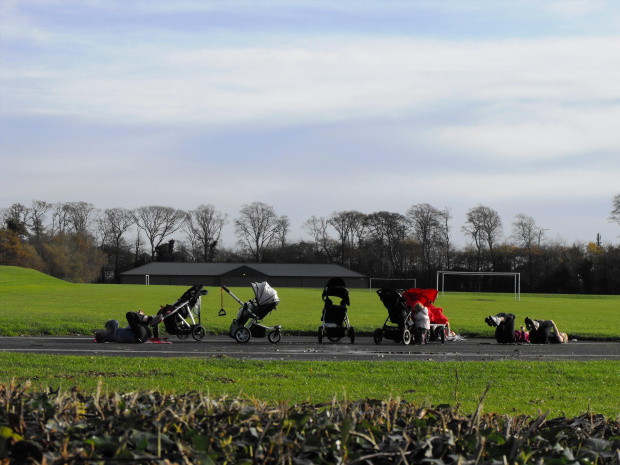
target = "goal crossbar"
x: 517, y: 278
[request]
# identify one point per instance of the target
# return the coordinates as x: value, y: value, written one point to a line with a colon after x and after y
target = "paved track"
x: 308, y: 348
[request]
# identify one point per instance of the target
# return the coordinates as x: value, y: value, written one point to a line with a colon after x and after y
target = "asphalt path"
x: 307, y: 348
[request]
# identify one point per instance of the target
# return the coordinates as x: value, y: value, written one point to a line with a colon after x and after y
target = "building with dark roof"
x: 241, y: 274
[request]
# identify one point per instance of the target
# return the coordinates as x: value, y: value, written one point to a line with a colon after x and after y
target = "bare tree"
x: 257, y: 227
x: 203, y: 228
x: 427, y: 224
x: 615, y: 210
x: 484, y: 226
x: 525, y: 231
x: 317, y: 228
x: 350, y: 226
x: 444, y: 232
x: 283, y: 229
x: 390, y: 231
x: 60, y: 219
x: 37, y: 217
x: 116, y: 223
x: 80, y: 216
x: 528, y: 236
x: 158, y: 222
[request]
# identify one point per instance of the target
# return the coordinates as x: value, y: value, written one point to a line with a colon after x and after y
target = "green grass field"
x: 566, y: 388
x: 32, y: 303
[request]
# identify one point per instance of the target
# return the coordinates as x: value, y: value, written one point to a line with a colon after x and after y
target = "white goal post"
x: 401, y: 280
x: 517, y: 278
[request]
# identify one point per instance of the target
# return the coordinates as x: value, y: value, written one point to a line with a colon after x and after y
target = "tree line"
x: 77, y: 242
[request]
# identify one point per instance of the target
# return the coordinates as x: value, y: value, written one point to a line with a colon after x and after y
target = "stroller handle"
x: 231, y: 294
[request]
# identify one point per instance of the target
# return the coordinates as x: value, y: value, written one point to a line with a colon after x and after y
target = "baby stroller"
x: 187, y: 307
x: 252, y: 312
x: 335, y: 320
x: 399, y: 315
x: 440, y: 327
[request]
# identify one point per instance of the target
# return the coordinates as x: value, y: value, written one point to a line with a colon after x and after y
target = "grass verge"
x: 564, y: 388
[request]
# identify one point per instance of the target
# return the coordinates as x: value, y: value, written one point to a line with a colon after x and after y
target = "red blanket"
x: 426, y: 297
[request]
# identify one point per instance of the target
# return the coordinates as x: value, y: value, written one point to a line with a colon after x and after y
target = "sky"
x: 317, y: 106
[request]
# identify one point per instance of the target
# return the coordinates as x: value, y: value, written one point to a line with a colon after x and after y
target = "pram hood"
x: 265, y: 294
x: 192, y: 295
x: 336, y: 287
x: 395, y: 304
x: 424, y: 296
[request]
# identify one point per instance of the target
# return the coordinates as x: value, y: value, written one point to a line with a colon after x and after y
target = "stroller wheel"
x: 321, y: 334
x: 274, y: 337
x: 183, y: 333
x: 378, y: 336
x: 242, y: 335
x: 442, y: 336
x: 352, y: 334
x: 406, y: 337
x: 198, y: 332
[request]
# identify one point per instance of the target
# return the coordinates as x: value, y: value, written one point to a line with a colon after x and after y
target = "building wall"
x: 240, y: 281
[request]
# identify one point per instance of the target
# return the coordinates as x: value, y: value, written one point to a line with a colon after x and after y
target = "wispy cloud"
x: 348, y: 105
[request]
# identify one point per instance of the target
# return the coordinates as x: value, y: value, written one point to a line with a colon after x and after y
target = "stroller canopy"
x: 395, y: 304
x: 265, y: 294
x: 335, y: 287
x: 426, y: 297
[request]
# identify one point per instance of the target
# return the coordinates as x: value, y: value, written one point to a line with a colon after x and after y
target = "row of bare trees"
x: 380, y: 244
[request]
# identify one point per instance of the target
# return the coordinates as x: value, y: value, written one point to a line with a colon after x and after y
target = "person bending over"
x: 505, y: 333
x: 422, y: 323
x: 545, y: 332
x: 137, y: 330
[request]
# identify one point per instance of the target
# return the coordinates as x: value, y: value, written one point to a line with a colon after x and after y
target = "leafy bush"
x: 151, y: 427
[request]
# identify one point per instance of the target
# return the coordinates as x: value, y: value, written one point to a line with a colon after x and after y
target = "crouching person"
x: 137, y: 330
x: 422, y: 323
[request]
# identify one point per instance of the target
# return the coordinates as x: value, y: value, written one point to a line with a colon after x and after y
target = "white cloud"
x: 576, y: 8
x: 315, y: 120
x: 526, y: 133
x: 327, y: 80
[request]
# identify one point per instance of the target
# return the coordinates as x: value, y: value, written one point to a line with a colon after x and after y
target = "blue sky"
x: 316, y: 106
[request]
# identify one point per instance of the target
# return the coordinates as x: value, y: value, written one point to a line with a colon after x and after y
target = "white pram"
x: 247, y: 324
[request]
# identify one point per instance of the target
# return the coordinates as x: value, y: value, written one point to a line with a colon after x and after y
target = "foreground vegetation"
x: 32, y: 303
x: 151, y: 427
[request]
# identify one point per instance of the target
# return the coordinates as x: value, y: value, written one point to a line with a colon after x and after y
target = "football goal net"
x: 517, y: 278
x: 392, y: 283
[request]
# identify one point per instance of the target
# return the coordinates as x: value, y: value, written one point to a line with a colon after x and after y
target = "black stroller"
x: 399, y: 314
x: 335, y: 320
x: 247, y: 324
x: 187, y: 307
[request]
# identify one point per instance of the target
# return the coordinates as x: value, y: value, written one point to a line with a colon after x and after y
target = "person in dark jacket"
x: 545, y: 332
x: 138, y: 328
x: 504, y: 324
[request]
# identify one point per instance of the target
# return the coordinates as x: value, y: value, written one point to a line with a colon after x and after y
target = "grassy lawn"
x: 32, y: 303
x: 567, y: 388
